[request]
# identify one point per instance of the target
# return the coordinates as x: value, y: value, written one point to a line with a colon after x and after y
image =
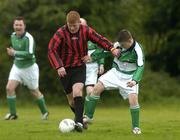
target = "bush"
x: 157, y: 85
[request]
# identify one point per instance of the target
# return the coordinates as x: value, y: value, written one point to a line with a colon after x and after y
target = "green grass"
x: 111, y: 123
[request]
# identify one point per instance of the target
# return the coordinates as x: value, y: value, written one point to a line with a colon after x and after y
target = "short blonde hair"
x: 73, y: 17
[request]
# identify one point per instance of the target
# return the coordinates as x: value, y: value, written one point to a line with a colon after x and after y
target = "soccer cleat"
x: 136, y: 131
x: 79, y: 127
x: 45, y: 116
x: 85, y: 125
x: 87, y: 120
x: 10, y: 116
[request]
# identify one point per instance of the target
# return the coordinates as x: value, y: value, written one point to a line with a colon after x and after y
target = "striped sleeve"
x: 99, y: 39
x: 53, y: 46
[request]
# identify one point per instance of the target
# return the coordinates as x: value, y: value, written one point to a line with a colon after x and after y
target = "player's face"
x: 73, y: 27
x: 124, y: 45
x: 127, y: 44
x: 19, y: 27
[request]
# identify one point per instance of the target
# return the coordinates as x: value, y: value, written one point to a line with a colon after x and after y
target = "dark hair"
x: 20, y: 18
x: 124, y: 35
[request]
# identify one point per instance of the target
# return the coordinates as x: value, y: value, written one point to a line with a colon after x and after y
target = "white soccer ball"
x: 66, y: 125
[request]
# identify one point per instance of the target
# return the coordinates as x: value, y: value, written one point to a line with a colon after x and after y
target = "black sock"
x: 79, y: 107
x: 72, y: 109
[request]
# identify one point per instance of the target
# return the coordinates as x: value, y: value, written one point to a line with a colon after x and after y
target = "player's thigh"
x: 129, y: 92
x: 15, y: 74
x: 110, y: 79
x: 78, y: 75
x: 31, y: 77
x: 91, y: 73
x: 91, y: 78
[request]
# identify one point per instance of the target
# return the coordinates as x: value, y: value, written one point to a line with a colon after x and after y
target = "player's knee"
x: 89, y: 90
x: 77, y: 93
x: 36, y: 93
x: 77, y: 90
x: 10, y: 90
x: 99, y: 87
x: 133, y: 100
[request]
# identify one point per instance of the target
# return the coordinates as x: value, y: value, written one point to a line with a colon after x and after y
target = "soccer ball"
x: 66, y: 125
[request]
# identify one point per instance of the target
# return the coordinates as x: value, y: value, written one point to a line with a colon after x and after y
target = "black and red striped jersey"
x: 67, y: 50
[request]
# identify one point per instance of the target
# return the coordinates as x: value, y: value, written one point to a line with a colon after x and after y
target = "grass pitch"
x: 111, y: 123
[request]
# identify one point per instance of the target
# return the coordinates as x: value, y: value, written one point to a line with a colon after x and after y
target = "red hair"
x: 73, y: 17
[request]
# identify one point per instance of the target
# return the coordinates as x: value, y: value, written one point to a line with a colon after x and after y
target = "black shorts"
x: 73, y: 75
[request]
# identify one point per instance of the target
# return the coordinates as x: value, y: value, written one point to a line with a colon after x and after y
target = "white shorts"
x: 26, y: 76
x: 115, y: 79
x: 91, y: 73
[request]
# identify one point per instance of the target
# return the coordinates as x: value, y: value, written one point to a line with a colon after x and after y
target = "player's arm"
x: 99, y: 55
x: 137, y: 76
x: 29, y: 49
x: 100, y: 63
x: 102, y: 42
x: 53, y: 55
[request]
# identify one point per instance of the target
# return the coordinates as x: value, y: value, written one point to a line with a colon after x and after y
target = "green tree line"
x: 154, y: 23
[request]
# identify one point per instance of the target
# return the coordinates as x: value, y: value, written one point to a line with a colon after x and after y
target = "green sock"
x: 12, y: 104
x: 41, y: 104
x: 86, y: 103
x: 135, y: 116
x: 90, y: 105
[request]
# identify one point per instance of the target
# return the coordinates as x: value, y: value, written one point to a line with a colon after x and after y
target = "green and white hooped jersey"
x: 131, y: 61
x: 24, y: 47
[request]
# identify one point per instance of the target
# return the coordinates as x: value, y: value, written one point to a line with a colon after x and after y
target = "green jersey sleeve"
x: 100, y: 54
x: 137, y: 76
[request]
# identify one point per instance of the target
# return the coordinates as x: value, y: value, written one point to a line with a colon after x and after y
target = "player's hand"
x: 10, y: 51
x: 131, y: 83
x: 87, y: 59
x: 116, y: 52
x: 101, y: 69
x: 61, y: 71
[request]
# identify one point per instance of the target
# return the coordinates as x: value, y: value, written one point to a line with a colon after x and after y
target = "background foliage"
x: 154, y: 23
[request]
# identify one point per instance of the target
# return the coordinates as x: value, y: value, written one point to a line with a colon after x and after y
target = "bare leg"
x: 98, y: 89
x: 89, y: 89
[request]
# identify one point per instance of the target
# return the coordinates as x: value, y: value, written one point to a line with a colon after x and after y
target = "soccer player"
x: 66, y: 51
x: 24, y: 69
x: 92, y: 68
x: 125, y: 75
